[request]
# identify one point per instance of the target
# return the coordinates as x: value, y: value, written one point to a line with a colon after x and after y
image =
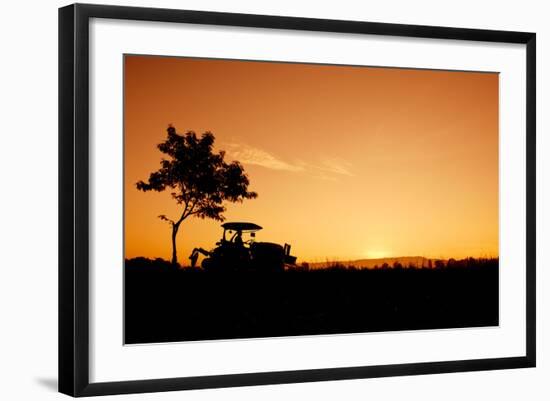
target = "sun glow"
x: 376, y: 254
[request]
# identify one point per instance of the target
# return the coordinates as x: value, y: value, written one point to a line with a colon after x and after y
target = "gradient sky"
x: 348, y: 162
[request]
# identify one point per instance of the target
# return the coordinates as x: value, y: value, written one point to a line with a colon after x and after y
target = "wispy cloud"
x: 336, y: 166
x: 250, y: 155
x: 327, y: 168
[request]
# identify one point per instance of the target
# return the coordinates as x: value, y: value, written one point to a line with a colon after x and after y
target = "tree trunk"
x: 175, y: 228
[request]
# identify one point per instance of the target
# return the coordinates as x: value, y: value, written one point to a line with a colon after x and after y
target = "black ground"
x: 164, y: 304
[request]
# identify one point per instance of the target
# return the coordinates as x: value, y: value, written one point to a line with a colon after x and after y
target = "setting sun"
x: 376, y: 254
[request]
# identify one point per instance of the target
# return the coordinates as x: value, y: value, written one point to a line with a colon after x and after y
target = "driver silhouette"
x: 239, y: 239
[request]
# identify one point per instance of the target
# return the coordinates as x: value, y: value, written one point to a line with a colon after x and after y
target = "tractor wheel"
x: 207, y: 264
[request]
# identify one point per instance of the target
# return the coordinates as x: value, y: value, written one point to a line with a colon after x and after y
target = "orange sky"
x: 348, y: 162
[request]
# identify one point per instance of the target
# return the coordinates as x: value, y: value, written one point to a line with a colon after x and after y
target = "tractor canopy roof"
x: 241, y: 226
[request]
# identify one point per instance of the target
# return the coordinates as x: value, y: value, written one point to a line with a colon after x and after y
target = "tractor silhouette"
x: 233, y: 253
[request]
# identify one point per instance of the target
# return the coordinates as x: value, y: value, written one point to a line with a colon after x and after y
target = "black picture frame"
x: 74, y: 198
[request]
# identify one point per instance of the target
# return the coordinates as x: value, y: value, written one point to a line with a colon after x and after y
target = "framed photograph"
x: 250, y: 199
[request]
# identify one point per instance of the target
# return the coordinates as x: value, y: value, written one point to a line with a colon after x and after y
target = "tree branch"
x: 186, y: 211
x: 164, y: 218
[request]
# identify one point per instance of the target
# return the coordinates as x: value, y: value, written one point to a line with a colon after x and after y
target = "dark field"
x: 165, y: 304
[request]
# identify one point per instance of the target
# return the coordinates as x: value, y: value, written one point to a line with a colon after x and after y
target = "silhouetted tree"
x: 199, y: 179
